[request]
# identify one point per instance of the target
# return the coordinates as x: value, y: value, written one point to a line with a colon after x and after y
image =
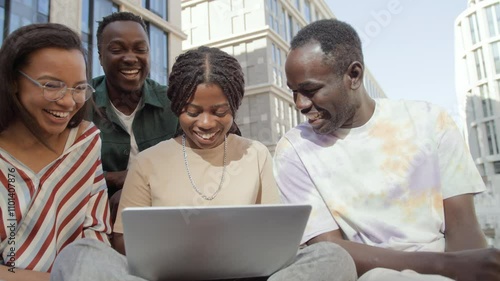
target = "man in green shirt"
x: 133, y: 111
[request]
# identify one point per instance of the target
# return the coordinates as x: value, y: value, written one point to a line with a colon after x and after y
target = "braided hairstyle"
x: 206, y: 65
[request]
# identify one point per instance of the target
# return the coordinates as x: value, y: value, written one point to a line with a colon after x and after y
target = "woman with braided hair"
x: 209, y: 164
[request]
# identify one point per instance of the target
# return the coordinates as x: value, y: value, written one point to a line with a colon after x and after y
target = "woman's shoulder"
x: 85, y: 127
x: 160, y: 150
x: 246, y: 143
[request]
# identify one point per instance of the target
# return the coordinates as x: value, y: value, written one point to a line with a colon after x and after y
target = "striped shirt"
x: 42, y: 213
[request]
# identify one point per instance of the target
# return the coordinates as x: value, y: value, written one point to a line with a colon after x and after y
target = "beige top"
x: 158, y: 176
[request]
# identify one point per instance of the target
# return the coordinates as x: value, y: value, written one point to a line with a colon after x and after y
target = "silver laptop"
x: 205, y: 243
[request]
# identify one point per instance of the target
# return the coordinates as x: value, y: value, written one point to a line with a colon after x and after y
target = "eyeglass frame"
x: 64, y: 90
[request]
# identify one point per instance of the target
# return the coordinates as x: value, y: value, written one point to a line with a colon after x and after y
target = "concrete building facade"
x: 258, y: 34
x: 477, y: 33
x: 163, y: 20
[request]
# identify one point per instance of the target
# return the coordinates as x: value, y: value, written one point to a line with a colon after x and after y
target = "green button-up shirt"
x: 153, y: 123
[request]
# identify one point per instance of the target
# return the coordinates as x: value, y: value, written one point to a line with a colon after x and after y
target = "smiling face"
x: 319, y: 93
x: 51, y: 64
x: 124, y: 56
x: 207, y: 117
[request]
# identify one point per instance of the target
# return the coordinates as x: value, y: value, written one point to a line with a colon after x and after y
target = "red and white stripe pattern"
x: 65, y: 201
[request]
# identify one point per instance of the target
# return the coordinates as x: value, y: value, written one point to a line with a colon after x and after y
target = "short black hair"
x: 210, y: 66
x: 119, y: 16
x: 338, y: 40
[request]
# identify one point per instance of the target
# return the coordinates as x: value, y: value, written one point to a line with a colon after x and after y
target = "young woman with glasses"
x: 52, y: 189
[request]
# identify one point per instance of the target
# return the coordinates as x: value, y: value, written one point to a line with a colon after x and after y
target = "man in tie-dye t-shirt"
x: 390, y: 181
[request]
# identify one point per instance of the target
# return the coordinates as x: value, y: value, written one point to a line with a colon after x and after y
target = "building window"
x: 480, y: 168
x: 307, y: 11
x: 474, y: 30
x: 480, y: 69
x: 274, y: 17
x: 158, y: 40
x: 2, y: 19
x: 296, y: 28
x: 159, y: 7
x: 299, y: 117
x: 297, y: 4
x: 21, y: 13
x: 276, y: 107
x: 471, y: 105
x: 290, y: 28
x: 290, y: 116
x: 277, y: 66
x: 293, y: 116
x: 497, y: 91
x: 491, y: 136
x: 475, y: 134
x: 285, y: 32
x: 486, y: 100
x: 93, y: 11
x: 496, y: 167
x: 495, y: 48
x: 87, y: 29
x: 493, y: 16
x: 282, y: 110
x: 461, y: 35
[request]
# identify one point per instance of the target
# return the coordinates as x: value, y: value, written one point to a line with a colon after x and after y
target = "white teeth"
x: 59, y: 114
x: 206, y: 136
x: 134, y: 71
x: 314, y: 116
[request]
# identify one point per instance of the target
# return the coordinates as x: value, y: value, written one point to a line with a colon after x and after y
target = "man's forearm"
x: 474, y: 265
x: 370, y: 257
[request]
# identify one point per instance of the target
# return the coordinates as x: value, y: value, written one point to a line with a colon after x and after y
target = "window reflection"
x: 28, y: 11
x: 2, y: 19
x: 159, y: 7
x: 159, y: 50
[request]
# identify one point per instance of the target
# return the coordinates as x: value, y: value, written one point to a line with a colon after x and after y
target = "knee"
x: 330, y: 250
x: 70, y: 256
x: 78, y: 245
x: 83, y: 247
x: 380, y: 273
x: 337, y: 259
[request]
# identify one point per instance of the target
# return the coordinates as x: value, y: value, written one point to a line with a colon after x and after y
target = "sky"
x: 408, y: 45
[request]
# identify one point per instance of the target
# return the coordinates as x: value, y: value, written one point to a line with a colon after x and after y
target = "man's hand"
x: 474, y: 265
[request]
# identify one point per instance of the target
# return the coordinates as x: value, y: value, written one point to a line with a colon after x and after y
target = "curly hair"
x: 16, y: 53
x: 206, y: 65
x: 119, y: 16
x: 338, y: 40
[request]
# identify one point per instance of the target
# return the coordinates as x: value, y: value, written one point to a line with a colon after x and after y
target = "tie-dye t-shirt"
x: 383, y: 184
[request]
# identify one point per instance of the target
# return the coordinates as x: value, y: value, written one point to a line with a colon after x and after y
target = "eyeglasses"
x: 55, y: 90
